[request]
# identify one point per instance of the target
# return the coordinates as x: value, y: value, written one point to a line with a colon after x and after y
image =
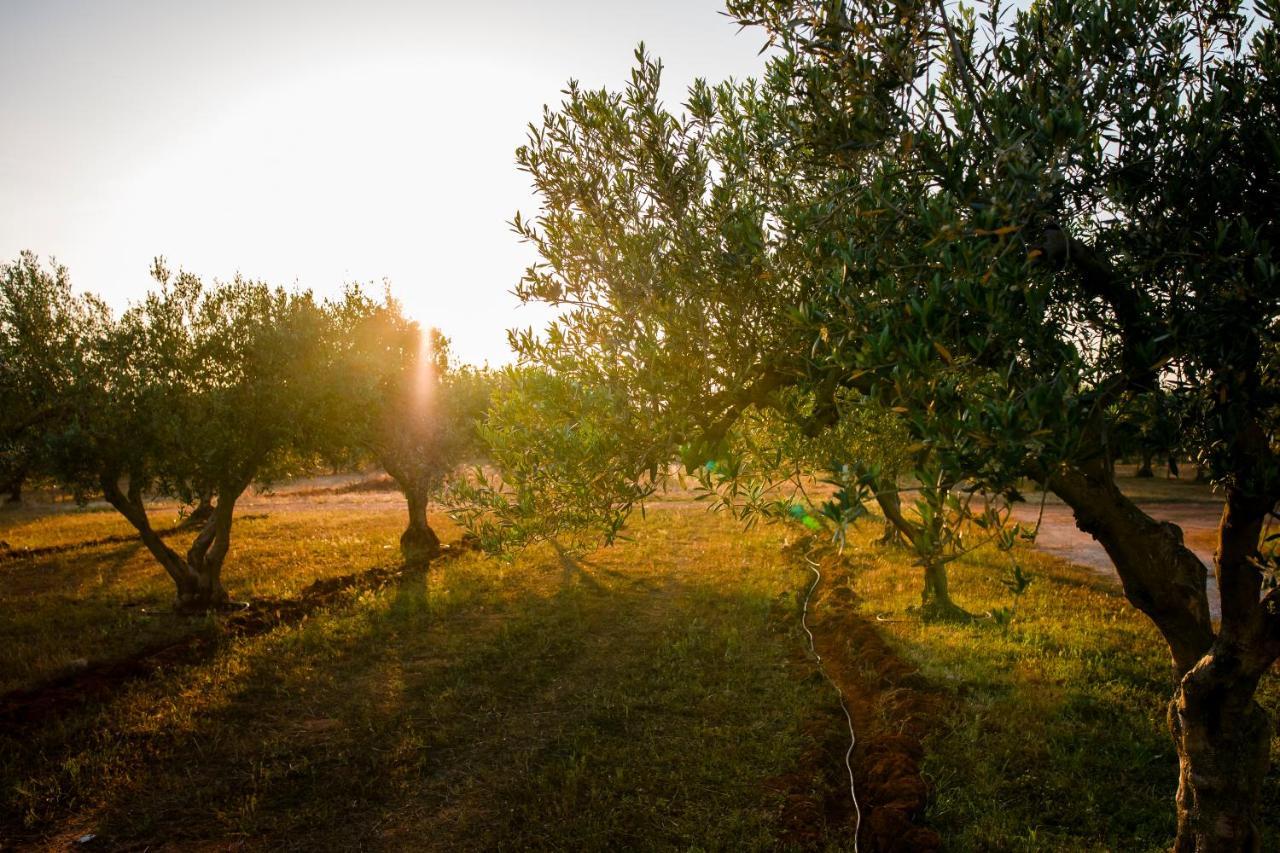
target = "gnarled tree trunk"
x: 197, y: 577
x: 1221, y: 734
x: 203, y: 585
x: 1223, y: 740
x: 418, y: 542
x: 1145, y: 469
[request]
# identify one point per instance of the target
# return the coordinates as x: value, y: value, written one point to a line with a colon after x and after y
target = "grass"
x: 107, y: 601
x: 37, y: 527
x: 647, y: 696
x: 640, y: 698
x: 1057, y: 739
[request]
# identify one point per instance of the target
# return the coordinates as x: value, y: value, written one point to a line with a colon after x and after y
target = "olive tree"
x: 654, y: 242
x: 667, y: 241
x: 1080, y: 199
x: 202, y: 389
x: 567, y: 460
x: 421, y: 413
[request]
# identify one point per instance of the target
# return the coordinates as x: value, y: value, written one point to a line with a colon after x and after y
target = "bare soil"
x: 892, y: 711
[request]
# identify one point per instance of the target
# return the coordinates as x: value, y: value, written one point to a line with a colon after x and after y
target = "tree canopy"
x: 200, y: 390
x: 1008, y: 228
x: 43, y: 323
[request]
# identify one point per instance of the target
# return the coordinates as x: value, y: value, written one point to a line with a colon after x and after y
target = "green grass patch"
x: 1057, y: 739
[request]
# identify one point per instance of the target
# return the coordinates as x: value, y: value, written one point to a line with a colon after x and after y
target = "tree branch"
x: 1099, y: 280
x: 1160, y: 575
x: 963, y: 66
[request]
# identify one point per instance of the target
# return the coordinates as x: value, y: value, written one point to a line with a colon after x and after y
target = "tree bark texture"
x: 1221, y: 734
x: 197, y: 576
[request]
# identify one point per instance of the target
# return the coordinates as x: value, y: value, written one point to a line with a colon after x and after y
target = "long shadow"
x: 32, y: 707
x: 456, y: 721
x: 14, y: 554
x: 572, y: 568
x: 117, y: 559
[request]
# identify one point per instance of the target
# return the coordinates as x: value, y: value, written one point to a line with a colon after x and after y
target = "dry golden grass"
x: 105, y: 601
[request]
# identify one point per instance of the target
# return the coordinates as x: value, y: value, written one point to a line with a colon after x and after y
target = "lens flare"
x: 424, y: 376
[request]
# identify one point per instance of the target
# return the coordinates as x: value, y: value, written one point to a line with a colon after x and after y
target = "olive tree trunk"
x: 197, y: 576
x: 1223, y: 740
x: 891, y: 507
x: 1220, y: 733
x: 935, y: 598
x: 203, y: 583
x: 935, y: 601
x: 418, y: 542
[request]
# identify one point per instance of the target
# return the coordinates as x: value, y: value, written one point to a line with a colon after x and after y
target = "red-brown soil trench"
x: 892, y: 710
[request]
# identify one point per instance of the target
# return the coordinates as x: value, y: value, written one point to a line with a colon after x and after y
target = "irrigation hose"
x: 853, y: 738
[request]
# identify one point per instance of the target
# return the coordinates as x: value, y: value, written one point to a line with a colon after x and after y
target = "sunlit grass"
x: 638, y: 698
x: 105, y: 601
x: 36, y: 527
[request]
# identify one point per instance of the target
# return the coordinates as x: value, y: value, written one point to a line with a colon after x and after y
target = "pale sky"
x: 312, y: 143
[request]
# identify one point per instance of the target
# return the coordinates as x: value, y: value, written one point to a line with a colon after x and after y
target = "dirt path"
x: 1060, y: 536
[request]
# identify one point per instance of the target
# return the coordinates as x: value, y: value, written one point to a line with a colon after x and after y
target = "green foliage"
x: 1037, y: 218
x: 43, y: 325
x: 564, y: 456
x: 1008, y: 229
x: 658, y: 242
x: 671, y: 243
x: 199, y: 387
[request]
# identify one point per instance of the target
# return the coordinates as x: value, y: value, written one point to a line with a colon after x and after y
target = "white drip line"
x: 853, y: 738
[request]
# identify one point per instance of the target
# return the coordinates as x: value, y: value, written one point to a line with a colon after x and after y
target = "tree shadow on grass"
x: 1069, y: 738
x: 573, y: 568
x: 460, y: 713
